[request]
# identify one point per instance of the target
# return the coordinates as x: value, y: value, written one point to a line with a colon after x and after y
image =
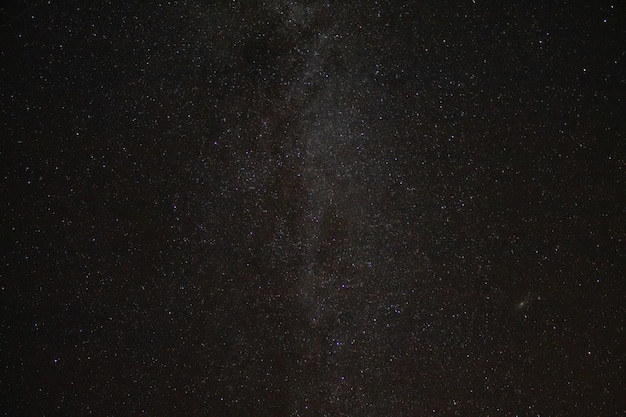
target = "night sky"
x: 313, y: 208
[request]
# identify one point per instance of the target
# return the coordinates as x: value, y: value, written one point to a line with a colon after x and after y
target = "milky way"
x: 290, y: 208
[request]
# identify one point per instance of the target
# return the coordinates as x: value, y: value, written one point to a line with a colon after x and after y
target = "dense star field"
x: 312, y: 208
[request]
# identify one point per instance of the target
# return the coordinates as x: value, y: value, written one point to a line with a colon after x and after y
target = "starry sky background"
x: 289, y: 208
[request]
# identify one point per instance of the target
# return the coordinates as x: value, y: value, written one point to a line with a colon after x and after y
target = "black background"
x: 289, y: 208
